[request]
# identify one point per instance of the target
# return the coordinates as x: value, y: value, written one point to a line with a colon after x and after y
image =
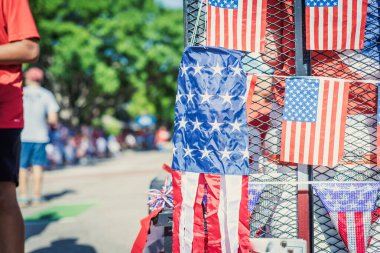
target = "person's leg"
x: 37, y: 181
x: 25, y: 162
x: 23, y: 188
x: 11, y: 223
x: 39, y: 160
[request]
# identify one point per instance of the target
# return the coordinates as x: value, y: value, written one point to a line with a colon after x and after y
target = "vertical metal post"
x: 185, y: 25
x: 302, y: 56
x: 304, y: 172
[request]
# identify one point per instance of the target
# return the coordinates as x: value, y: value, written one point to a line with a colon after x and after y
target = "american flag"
x: 211, y: 147
x: 313, y: 128
x: 335, y: 24
x: 237, y: 24
x: 350, y: 207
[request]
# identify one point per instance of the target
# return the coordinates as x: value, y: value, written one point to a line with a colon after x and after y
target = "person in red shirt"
x: 18, y: 44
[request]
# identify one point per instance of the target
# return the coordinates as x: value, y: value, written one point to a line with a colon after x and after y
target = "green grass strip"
x: 56, y: 213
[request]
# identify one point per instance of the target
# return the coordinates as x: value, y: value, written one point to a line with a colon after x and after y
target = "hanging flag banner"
x: 350, y: 208
x: 237, y: 24
x: 314, y: 121
x: 335, y: 24
x: 211, y: 148
x: 226, y: 216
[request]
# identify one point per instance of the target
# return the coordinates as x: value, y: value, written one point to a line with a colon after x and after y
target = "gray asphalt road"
x: 93, y: 209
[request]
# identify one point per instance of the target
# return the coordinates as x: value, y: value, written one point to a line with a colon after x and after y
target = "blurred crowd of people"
x: 86, y: 145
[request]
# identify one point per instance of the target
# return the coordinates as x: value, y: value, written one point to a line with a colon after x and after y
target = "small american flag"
x: 237, y: 24
x: 335, y: 24
x: 313, y: 128
x: 350, y: 207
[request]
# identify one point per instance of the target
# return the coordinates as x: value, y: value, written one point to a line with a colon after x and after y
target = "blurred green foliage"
x: 101, y: 55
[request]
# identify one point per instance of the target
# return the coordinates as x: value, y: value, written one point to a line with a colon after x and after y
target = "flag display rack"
x: 288, y: 208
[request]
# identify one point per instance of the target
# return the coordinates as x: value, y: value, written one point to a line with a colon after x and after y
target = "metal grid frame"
x: 360, y: 135
x: 276, y: 214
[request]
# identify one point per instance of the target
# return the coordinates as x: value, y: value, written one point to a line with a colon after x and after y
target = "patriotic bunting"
x: 254, y: 194
x: 314, y: 120
x: 350, y: 207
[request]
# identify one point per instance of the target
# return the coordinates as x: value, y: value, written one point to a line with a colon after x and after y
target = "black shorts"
x: 10, y: 145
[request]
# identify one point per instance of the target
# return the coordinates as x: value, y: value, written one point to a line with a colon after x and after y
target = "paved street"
x: 93, y: 209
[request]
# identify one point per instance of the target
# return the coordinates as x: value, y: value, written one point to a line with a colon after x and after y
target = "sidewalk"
x: 93, y: 209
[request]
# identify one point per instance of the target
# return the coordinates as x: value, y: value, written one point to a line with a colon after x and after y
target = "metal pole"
x: 304, y: 172
x: 185, y: 25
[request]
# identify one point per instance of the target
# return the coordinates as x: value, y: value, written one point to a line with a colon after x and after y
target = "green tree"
x: 102, y: 55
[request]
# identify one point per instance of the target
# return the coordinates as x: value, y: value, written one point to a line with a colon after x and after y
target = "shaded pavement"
x: 93, y: 209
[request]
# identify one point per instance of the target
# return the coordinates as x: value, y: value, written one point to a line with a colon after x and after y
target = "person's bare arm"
x: 53, y: 119
x: 24, y: 51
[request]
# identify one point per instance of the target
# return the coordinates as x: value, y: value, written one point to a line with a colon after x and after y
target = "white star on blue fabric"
x: 226, y: 98
x: 184, y: 69
x: 197, y: 69
x: 188, y: 152
x: 190, y: 97
x: 237, y: 70
x: 182, y: 123
x: 236, y: 126
x: 178, y: 97
x: 245, y: 154
x: 301, y: 99
x: 205, y: 153
x: 225, y: 154
x: 206, y: 97
x: 196, y: 124
x: 217, y: 69
x: 215, y: 126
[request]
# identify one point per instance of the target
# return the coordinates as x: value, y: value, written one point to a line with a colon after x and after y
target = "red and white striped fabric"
x: 314, y: 122
x: 237, y: 24
x: 353, y: 228
x: 350, y: 207
x: 226, y: 213
x: 335, y: 24
x: 378, y: 126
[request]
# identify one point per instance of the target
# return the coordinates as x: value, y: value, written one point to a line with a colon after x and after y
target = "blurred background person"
x: 162, y: 138
x: 41, y: 111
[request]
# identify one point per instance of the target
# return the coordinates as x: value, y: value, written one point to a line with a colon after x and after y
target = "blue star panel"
x: 210, y: 131
x: 348, y: 197
x: 301, y: 99
x: 227, y: 4
x: 321, y: 3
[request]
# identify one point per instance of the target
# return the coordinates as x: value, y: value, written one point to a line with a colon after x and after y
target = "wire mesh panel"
x: 276, y: 212
x: 359, y: 161
x: 195, y: 22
